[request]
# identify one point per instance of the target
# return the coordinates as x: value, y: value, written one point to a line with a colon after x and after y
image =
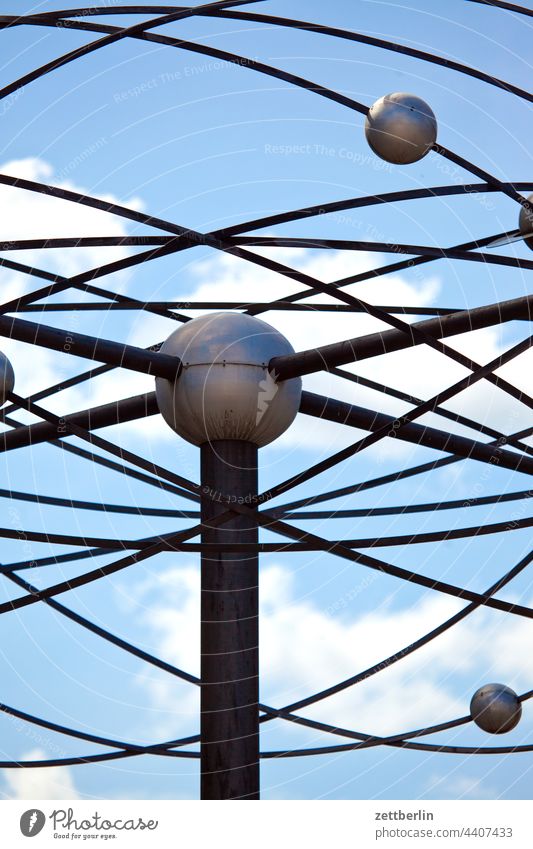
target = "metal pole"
x: 229, y: 628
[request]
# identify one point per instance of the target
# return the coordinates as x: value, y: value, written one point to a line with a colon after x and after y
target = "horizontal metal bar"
x: 375, y: 344
x: 102, y: 350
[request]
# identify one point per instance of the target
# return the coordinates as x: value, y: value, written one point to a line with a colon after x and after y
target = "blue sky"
x: 206, y: 144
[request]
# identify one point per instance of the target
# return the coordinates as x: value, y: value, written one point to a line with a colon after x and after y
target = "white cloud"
x: 53, y: 783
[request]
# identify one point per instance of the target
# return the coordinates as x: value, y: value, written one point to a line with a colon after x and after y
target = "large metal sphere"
x: 225, y: 390
x: 7, y: 377
x: 525, y: 223
x: 400, y: 128
x: 495, y: 708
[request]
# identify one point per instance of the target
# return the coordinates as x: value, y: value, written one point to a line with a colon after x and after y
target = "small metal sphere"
x: 7, y: 377
x: 525, y: 222
x: 495, y: 708
x: 225, y: 390
x: 400, y: 128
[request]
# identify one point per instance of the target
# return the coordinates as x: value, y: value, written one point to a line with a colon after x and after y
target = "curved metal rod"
x: 102, y: 543
x: 426, y: 747
x: 330, y: 547
x: 504, y: 385
x: 76, y: 281
x: 493, y: 378
x: 384, y: 44
x: 117, y: 34
x: 404, y: 509
x: 366, y: 741
x: 114, y: 33
x: 145, y: 405
x: 127, y: 304
x: 440, y: 411
x: 102, y: 205
x: 285, y: 530
x: 9, y: 569
x: 110, y: 447
x: 359, y: 202
x: 272, y: 713
x: 61, y: 283
x: 76, y: 380
x: 168, y: 749
x: 283, y: 712
x: 107, y: 545
x: 140, y: 406
x: 269, y: 220
x: 505, y: 188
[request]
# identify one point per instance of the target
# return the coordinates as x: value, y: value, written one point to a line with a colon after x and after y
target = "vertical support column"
x: 229, y: 628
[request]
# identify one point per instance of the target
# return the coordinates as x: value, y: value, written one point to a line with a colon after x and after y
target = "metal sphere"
x: 225, y: 390
x: 495, y: 708
x: 400, y: 128
x: 7, y: 377
x: 525, y: 223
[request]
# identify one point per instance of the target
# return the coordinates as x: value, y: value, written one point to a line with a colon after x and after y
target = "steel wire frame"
x: 139, y: 30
